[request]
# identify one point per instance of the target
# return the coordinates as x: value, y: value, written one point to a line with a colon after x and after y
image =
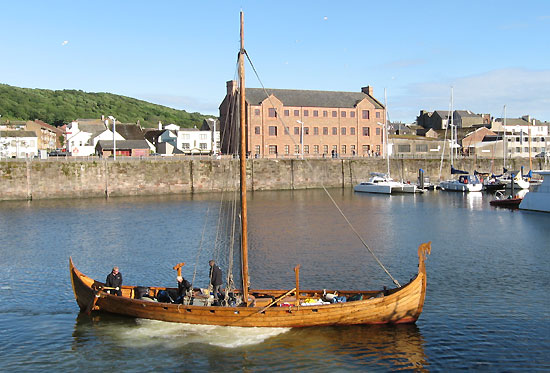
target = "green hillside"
x: 58, y: 107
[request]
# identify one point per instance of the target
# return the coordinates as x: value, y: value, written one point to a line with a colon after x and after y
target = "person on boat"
x: 183, y: 287
x: 114, y: 280
x: 215, y: 279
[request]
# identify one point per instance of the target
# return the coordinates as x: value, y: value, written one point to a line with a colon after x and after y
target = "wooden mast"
x: 244, y: 218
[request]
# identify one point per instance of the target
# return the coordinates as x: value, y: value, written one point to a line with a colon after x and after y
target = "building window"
x: 325, y: 130
x: 315, y: 130
x: 518, y: 150
x: 272, y: 112
x: 306, y: 130
x: 366, y: 149
x: 296, y: 113
x: 366, y: 131
x: 272, y: 149
x: 286, y: 131
x: 202, y: 146
x: 378, y: 148
x: 186, y: 136
x: 185, y: 145
x: 421, y: 148
x: 315, y: 149
x: 256, y: 111
x: 272, y: 130
x: 343, y: 131
x: 306, y: 149
x: 352, y: 114
x: 366, y: 114
x: 325, y: 113
x: 352, y: 131
x: 287, y: 149
x: 526, y: 149
x: 405, y: 148
x: 325, y: 149
x: 343, y: 149
x: 257, y: 149
x: 334, y: 114
x: 343, y: 114
x: 315, y: 113
x: 287, y: 112
x: 306, y: 113
x: 352, y: 148
x: 334, y: 149
x: 257, y: 130
x: 296, y: 149
x: 377, y: 131
x: 335, y: 130
x: 377, y: 114
x: 296, y: 130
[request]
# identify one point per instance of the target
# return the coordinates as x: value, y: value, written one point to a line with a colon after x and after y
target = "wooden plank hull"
x: 402, y: 305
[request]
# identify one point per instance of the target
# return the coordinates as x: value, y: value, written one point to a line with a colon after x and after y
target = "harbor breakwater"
x: 42, y: 179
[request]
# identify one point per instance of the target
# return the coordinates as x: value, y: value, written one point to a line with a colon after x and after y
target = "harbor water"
x: 487, y: 306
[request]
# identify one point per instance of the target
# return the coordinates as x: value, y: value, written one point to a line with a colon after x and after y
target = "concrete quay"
x: 76, y: 178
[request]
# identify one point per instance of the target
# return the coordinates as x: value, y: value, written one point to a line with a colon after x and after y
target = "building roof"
x: 466, y: 113
x: 300, y: 98
x: 17, y: 133
x: 122, y: 144
x: 152, y: 135
x: 129, y: 131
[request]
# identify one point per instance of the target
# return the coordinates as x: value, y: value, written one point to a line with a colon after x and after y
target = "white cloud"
x: 522, y: 91
x: 65, y: 42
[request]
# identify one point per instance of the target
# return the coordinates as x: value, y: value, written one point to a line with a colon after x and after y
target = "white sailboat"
x: 383, y: 183
x: 465, y: 182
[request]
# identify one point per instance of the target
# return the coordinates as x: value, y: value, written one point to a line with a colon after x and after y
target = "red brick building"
x: 288, y: 122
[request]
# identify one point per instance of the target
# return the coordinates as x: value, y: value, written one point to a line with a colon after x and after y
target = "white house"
x: 18, y: 144
x: 194, y: 141
x: 82, y: 137
x: 525, y: 136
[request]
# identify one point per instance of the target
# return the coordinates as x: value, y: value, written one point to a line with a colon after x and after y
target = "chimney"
x: 367, y: 90
x: 231, y: 87
x: 160, y: 125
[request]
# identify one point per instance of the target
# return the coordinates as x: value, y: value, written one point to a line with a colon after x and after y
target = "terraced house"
x: 290, y: 123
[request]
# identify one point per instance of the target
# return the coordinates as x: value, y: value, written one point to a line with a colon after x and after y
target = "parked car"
x: 541, y: 155
x: 57, y: 153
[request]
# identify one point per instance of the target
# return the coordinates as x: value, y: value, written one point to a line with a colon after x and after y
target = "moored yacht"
x: 539, y: 198
x: 382, y: 183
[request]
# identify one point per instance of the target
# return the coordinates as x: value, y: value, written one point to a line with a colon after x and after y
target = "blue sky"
x: 181, y: 53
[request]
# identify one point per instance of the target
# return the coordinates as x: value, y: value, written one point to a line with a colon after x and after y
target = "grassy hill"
x: 58, y: 107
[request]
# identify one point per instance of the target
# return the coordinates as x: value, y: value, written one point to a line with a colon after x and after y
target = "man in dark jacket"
x: 215, y: 279
x: 114, y: 280
x: 183, y: 287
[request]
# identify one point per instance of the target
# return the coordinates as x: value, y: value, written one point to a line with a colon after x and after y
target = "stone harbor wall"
x: 74, y: 178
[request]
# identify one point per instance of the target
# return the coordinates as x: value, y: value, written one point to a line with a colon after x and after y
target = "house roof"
x: 152, y: 135
x: 466, y: 113
x: 300, y: 98
x: 17, y: 134
x: 122, y: 144
x: 129, y: 131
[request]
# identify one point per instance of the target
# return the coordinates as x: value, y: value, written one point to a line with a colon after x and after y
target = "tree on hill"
x: 62, y: 106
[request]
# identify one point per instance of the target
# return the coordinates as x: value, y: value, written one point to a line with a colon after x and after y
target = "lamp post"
x: 114, y: 137
x: 301, y: 138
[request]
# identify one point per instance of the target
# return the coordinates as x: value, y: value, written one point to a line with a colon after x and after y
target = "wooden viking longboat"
x: 262, y: 308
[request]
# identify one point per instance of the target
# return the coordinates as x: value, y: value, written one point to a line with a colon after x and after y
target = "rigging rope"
x: 287, y: 130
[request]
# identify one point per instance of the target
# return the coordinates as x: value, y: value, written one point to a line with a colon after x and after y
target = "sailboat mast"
x: 386, y: 131
x: 504, y: 144
x: 244, y: 218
